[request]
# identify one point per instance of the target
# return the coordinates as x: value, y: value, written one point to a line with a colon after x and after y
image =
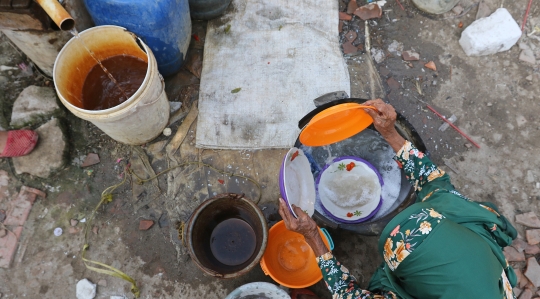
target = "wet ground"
x: 494, y: 101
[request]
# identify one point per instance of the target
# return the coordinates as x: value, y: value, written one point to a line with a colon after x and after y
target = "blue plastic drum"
x: 165, y: 26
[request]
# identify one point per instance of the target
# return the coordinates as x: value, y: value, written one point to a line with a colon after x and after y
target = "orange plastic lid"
x: 336, y: 124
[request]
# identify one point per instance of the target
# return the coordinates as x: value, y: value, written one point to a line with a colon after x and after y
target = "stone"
x: 527, y: 55
x: 393, y: 83
x: 32, y: 105
x: 95, y: 229
x: 533, y: 236
x: 73, y: 222
x: 102, y: 283
x: 145, y: 224
x: 378, y: 55
x: 351, y: 35
x: 431, y: 65
x: 528, y: 219
x: 349, y: 48
x: 483, y: 10
x: 395, y: 47
x: 48, y: 155
x: 512, y: 255
x: 410, y: 56
x: 2, y: 215
x: 496, y: 33
x: 3, y: 232
x: 85, y: 289
x: 458, y: 9
x: 370, y: 11
x: 91, y: 159
x: 345, y: 17
x: 533, y: 271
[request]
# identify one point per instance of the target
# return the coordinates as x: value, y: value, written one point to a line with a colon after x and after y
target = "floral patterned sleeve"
x: 341, y: 284
x: 421, y: 172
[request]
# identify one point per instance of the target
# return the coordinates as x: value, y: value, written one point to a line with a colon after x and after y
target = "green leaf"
x: 228, y: 28
x: 236, y: 90
x: 341, y: 166
x: 280, y: 26
x: 357, y: 213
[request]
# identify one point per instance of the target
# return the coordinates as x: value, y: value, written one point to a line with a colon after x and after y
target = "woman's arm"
x: 337, y: 278
x: 420, y: 171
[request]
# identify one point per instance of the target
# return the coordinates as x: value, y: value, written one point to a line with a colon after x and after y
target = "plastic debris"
x: 445, y: 126
x: 85, y: 289
x: 58, y: 231
x: 167, y: 132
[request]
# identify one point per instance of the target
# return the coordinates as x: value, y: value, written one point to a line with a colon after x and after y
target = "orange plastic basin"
x: 289, y: 260
x: 335, y: 124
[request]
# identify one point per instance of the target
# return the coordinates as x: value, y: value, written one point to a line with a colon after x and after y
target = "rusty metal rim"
x: 189, y: 234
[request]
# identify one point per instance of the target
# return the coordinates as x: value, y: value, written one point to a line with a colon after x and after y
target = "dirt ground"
x: 494, y: 101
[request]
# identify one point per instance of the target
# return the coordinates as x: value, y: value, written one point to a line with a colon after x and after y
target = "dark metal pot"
x: 205, y: 219
x: 406, y: 193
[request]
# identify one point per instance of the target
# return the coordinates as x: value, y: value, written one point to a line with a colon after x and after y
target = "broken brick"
x: 91, y: 159
x: 370, y: 11
x: 526, y: 294
x: 532, y: 249
x: 352, y: 6
x: 533, y: 236
x: 340, y: 26
x: 528, y: 219
x: 73, y: 222
x: 145, y: 224
x: 410, y: 56
x: 351, y: 36
x: 431, y: 65
x: 512, y: 255
x: 344, y: 16
x: 348, y: 48
x: 533, y: 271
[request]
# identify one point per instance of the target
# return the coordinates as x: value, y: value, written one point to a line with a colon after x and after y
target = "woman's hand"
x: 384, y: 120
x: 303, y: 225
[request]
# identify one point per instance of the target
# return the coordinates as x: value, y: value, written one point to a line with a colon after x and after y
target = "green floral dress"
x: 408, y: 234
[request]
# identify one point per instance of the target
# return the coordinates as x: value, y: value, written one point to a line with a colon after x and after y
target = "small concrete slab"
x: 533, y: 271
x: 32, y: 105
x: 48, y: 155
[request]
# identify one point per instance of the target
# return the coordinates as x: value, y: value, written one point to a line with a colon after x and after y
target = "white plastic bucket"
x: 140, y: 118
x: 263, y: 290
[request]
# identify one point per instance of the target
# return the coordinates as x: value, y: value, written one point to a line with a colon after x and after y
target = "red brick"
x: 145, y: 224
x: 370, y: 11
x: 91, y: 159
x: 352, y: 6
x: 344, y: 16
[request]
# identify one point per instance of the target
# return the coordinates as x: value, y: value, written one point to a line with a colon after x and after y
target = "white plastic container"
x: 140, y: 118
x: 263, y: 290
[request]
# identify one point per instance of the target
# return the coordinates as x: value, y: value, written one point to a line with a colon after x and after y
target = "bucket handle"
x: 160, y: 94
x: 328, y: 238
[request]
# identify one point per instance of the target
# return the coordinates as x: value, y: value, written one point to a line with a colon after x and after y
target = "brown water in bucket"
x: 233, y: 242
x: 100, y: 92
